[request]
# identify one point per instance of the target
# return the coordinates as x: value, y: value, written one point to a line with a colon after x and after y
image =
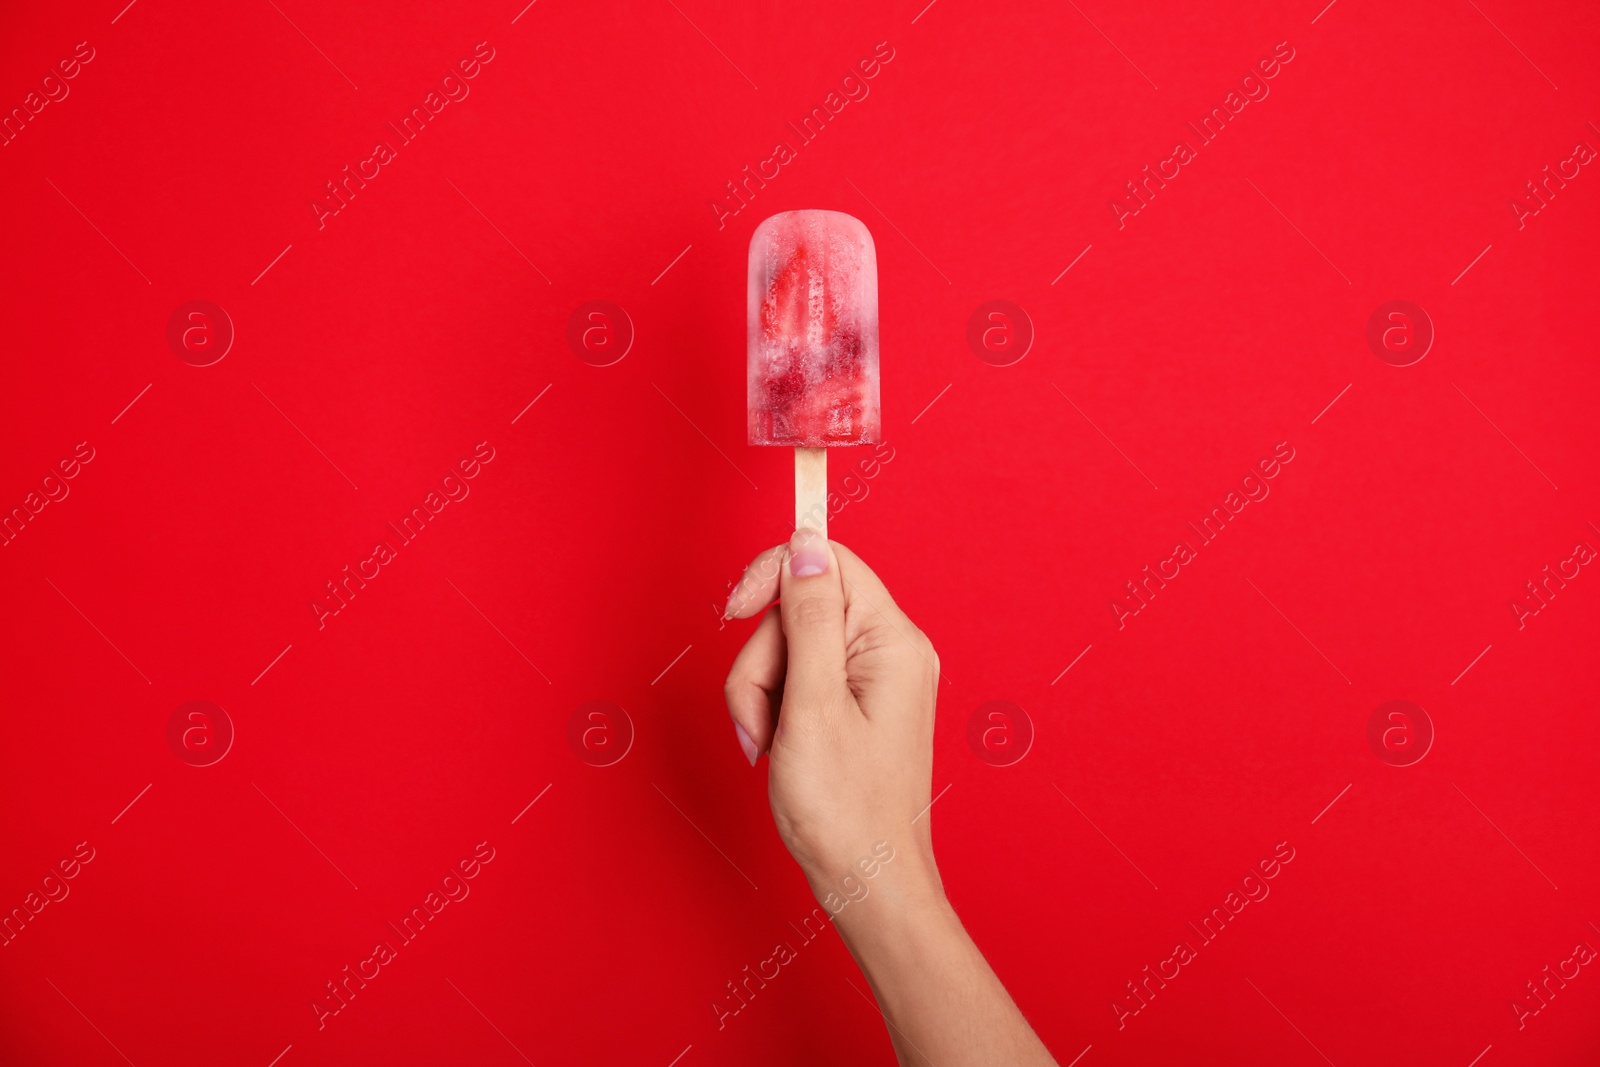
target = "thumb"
x: 813, y: 622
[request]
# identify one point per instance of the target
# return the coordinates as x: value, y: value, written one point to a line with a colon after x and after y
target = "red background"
x: 1219, y: 721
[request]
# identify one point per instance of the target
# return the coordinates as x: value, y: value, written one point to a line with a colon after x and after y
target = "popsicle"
x: 813, y: 345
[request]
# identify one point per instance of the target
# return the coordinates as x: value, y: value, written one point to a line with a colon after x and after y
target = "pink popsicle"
x: 813, y: 332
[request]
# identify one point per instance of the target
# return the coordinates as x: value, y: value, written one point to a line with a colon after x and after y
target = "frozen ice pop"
x: 813, y: 344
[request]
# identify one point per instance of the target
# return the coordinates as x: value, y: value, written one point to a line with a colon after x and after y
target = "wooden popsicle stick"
x: 811, y: 489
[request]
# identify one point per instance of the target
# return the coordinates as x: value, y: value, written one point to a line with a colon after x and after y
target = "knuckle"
x: 921, y: 644
x: 736, y: 691
x: 927, y: 656
x: 811, y: 612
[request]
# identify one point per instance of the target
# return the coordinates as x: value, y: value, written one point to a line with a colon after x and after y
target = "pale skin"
x: 836, y: 687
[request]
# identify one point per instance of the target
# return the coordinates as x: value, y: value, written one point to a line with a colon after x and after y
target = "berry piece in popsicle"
x: 813, y: 332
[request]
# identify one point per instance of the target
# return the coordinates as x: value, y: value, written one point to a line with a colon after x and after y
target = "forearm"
x: 941, y: 1000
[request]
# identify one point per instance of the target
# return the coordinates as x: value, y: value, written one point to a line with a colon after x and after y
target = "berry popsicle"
x: 813, y: 345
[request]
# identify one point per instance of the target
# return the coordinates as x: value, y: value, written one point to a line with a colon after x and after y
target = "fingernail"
x: 745, y: 743
x: 808, y: 554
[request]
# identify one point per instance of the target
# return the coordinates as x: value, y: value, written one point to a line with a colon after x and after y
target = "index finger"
x: 758, y: 586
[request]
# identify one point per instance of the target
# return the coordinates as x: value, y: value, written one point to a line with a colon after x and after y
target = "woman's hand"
x: 837, y: 686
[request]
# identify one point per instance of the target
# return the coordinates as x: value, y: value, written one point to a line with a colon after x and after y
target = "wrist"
x: 893, y: 897
x: 904, y: 928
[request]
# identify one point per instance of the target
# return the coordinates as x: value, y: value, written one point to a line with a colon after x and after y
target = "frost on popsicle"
x: 813, y: 331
